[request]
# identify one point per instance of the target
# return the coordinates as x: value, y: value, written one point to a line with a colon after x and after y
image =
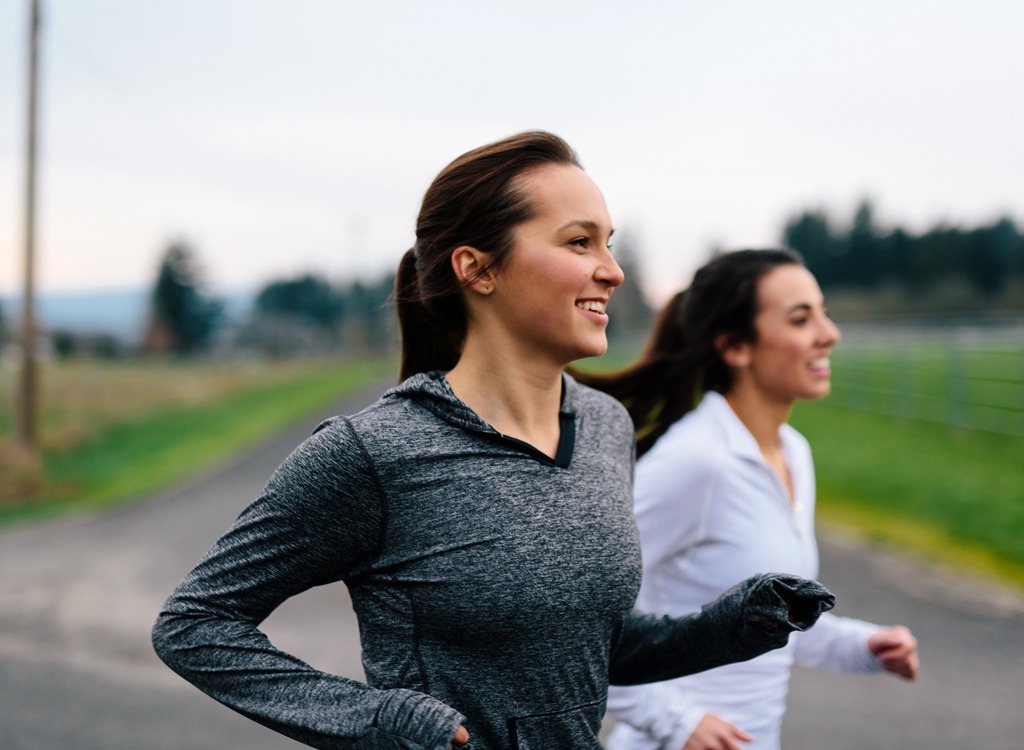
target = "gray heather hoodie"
x: 493, y: 585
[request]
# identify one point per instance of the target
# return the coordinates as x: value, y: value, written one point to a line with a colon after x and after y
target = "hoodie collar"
x: 432, y: 392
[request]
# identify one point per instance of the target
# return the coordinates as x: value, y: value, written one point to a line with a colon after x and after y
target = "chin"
x: 819, y: 392
x: 597, y: 349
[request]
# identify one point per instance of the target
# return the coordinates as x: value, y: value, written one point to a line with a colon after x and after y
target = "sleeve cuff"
x: 684, y: 728
x: 419, y: 718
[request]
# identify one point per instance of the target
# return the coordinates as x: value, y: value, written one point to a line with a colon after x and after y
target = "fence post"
x: 958, y: 386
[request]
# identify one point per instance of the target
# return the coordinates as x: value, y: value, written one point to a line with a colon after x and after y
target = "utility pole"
x: 27, y: 392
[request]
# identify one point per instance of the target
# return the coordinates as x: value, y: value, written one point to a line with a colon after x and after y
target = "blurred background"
x: 219, y: 192
x: 226, y: 180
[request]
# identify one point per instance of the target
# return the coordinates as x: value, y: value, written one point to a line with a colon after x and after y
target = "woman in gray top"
x: 479, y: 513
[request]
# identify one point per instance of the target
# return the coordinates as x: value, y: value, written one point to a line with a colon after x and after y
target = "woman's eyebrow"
x: 592, y: 226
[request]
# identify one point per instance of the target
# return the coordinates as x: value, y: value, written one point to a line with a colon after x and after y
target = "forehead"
x: 788, y: 286
x: 564, y: 192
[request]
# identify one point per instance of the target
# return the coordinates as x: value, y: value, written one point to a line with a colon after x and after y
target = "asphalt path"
x: 78, y: 597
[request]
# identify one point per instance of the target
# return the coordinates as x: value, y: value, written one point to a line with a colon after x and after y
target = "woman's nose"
x: 830, y: 332
x: 610, y: 272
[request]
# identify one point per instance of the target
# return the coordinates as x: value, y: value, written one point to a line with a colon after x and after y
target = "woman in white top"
x: 724, y: 488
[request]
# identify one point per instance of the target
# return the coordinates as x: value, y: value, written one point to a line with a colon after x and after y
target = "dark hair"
x: 474, y: 201
x: 681, y: 361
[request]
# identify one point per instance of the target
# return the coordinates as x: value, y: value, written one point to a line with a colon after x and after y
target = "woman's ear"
x: 470, y: 267
x: 735, y: 354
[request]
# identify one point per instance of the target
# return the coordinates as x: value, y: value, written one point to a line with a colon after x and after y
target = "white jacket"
x: 711, y: 512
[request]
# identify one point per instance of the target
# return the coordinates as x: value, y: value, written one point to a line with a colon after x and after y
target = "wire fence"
x: 968, y: 376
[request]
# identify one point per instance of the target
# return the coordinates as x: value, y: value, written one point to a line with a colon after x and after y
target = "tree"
x: 865, y: 264
x: 370, y: 320
x: 183, y: 318
x: 811, y: 235
x: 310, y: 299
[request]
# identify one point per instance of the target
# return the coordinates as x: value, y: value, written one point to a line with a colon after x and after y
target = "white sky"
x: 283, y: 137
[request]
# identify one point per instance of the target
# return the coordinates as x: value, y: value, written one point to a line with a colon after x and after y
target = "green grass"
x: 128, y: 458
x: 948, y: 383
x: 949, y: 494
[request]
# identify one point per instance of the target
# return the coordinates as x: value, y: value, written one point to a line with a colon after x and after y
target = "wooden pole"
x: 27, y: 391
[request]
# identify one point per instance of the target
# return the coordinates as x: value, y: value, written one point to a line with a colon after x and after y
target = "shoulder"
x: 697, y: 436
x: 692, y: 452
x: 795, y: 439
x: 592, y: 404
x: 343, y: 444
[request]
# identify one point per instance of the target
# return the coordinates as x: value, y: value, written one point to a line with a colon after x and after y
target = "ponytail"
x: 426, y: 345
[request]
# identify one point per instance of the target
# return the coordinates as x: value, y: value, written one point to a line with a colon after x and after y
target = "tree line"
x: 301, y: 315
x: 863, y: 267
x: 945, y: 268
x: 309, y: 314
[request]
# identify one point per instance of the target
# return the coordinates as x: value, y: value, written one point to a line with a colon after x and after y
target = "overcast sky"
x: 284, y: 137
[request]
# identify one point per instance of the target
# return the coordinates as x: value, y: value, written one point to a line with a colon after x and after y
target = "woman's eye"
x: 580, y: 241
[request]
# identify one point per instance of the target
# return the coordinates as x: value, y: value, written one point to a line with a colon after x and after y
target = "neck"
x: 518, y: 396
x: 761, y: 415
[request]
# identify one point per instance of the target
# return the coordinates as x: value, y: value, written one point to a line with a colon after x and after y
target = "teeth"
x: 592, y: 305
x: 822, y: 363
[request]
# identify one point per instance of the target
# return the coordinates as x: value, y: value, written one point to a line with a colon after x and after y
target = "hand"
x: 713, y: 733
x: 461, y: 737
x: 896, y: 650
x: 805, y: 599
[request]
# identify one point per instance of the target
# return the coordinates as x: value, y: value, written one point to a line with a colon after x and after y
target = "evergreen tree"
x: 183, y: 318
x: 810, y: 235
x: 308, y: 299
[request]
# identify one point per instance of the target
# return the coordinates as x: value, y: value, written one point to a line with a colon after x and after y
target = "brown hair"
x: 474, y: 201
x: 681, y: 361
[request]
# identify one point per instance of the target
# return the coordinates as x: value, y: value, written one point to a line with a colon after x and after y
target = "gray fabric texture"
x: 493, y: 586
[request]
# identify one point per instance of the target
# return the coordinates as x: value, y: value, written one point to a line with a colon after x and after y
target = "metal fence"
x: 968, y: 375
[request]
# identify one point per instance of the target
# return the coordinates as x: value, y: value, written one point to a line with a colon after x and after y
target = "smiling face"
x: 789, y: 361
x: 551, y: 295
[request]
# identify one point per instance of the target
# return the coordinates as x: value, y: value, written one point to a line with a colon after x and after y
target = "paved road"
x: 77, y: 598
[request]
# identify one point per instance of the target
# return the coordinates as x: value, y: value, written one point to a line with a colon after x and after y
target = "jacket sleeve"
x: 660, y: 710
x: 838, y: 644
x: 320, y: 519
x: 754, y: 616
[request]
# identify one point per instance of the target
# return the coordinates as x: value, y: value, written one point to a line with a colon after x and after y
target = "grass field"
x: 977, y: 384
x: 116, y: 431
x: 953, y: 495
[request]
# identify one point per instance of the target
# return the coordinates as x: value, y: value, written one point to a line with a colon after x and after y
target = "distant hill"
x: 118, y: 312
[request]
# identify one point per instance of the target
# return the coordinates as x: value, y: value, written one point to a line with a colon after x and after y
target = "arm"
x: 846, y: 645
x: 319, y: 519
x: 667, y: 714
x: 755, y: 616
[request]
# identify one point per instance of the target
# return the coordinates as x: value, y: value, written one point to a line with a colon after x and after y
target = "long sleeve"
x: 320, y: 519
x: 668, y: 712
x: 753, y: 617
x: 660, y: 710
x: 838, y: 644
